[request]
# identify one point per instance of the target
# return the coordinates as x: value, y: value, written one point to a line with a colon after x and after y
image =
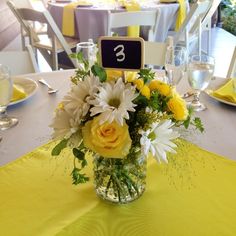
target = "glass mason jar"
x: 120, y: 180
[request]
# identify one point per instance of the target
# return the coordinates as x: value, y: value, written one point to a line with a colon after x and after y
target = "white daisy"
x: 113, y: 101
x: 77, y: 100
x: 64, y: 124
x: 157, y: 140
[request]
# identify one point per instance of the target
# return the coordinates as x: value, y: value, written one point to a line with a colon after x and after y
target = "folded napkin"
x: 226, y: 92
x: 181, y: 14
x: 68, y: 19
x: 18, y: 93
x: 133, y: 31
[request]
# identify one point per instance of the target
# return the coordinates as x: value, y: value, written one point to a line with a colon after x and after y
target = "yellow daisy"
x: 163, y: 88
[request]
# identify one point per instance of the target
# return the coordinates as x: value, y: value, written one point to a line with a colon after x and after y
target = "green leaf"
x: 77, y: 177
x: 100, y: 72
x: 59, y: 147
x: 78, y: 154
x: 198, y: 123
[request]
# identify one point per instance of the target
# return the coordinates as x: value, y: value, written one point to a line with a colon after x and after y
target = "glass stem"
x: 196, y: 99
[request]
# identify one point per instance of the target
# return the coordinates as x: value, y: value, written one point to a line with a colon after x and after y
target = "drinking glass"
x: 200, y: 71
x: 88, y: 51
x: 6, y: 88
x: 175, y: 63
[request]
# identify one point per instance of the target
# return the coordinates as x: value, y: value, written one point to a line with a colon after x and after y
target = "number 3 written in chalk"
x: 120, y: 55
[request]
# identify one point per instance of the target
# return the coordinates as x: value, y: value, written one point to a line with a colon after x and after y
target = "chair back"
x: 19, y: 62
x: 232, y: 67
x: 154, y: 53
x: 192, y: 23
x: 31, y: 15
x: 142, y: 18
x: 22, y: 3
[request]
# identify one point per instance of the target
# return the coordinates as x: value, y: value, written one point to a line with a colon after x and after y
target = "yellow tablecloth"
x: 194, y: 194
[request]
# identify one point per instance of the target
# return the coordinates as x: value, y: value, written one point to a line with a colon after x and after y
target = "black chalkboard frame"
x: 139, y: 41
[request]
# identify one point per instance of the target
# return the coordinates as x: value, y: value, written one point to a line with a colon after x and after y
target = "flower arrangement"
x: 116, y: 115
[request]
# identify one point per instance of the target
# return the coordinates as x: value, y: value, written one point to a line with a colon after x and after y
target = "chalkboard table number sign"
x: 121, y: 53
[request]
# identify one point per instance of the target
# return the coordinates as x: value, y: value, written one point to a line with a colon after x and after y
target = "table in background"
x: 91, y: 22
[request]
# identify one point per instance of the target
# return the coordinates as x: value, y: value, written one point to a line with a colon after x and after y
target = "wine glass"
x: 88, y: 53
x: 200, y: 71
x: 6, y: 89
x: 175, y: 63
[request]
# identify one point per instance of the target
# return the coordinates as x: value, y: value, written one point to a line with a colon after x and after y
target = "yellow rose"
x: 130, y: 76
x: 139, y: 83
x: 108, y: 139
x: 145, y: 91
x: 163, y: 88
x: 113, y: 74
x: 178, y: 107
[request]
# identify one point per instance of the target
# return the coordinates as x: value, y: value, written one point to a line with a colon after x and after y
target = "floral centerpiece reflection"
x: 121, y: 118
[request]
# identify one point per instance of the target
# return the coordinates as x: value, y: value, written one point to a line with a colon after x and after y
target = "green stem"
x: 132, y: 182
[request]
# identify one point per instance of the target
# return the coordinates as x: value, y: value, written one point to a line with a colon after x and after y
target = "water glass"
x: 175, y: 63
x: 6, y: 89
x: 88, y: 53
x: 200, y: 72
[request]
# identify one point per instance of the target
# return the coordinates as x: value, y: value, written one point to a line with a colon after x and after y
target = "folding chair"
x: 19, y: 62
x: 51, y: 46
x: 232, y: 67
x: 142, y: 18
x: 39, y: 28
x: 190, y: 29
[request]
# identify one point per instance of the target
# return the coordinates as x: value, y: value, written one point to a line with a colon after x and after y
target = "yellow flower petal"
x: 178, y: 107
x: 163, y: 88
x: 145, y: 91
x: 113, y: 74
x: 108, y: 139
x: 139, y: 83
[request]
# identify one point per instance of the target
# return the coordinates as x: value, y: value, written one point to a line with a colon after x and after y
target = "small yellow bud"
x: 139, y: 83
x: 145, y: 91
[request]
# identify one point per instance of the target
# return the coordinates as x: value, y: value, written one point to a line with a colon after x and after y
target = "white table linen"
x: 36, y: 113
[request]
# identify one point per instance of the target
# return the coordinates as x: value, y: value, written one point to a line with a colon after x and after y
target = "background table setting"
x: 90, y: 21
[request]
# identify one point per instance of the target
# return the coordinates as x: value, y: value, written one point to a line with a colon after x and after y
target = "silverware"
x: 50, y: 88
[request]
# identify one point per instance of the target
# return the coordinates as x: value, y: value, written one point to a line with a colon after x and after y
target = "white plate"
x: 29, y: 86
x: 215, y: 84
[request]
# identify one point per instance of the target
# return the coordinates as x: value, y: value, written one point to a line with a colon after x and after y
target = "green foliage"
x: 99, y: 71
x: 146, y: 74
x: 59, y: 147
x: 229, y: 16
x: 77, y: 177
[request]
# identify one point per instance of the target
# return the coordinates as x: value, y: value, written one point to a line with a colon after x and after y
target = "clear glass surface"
x: 6, y: 89
x: 200, y: 72
x: 88, y: 51
x: 175, y: 63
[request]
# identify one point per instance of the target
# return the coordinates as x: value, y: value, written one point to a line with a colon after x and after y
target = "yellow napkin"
x: 132, y: 31
x: 18, y: 93
x: 226, y: 92
x: 68, y: 19
x: 181, y: 14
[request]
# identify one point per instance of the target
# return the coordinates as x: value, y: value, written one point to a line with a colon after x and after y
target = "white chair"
x: 142, y: 18
x: 38, y: 28
x: 190, y: 29
x: 19, y: 62
x: 232, y: 67
x: 50, y: 46
x: 154, y: 53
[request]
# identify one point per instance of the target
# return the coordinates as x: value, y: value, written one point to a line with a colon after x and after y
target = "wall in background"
x: 9, y: 27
